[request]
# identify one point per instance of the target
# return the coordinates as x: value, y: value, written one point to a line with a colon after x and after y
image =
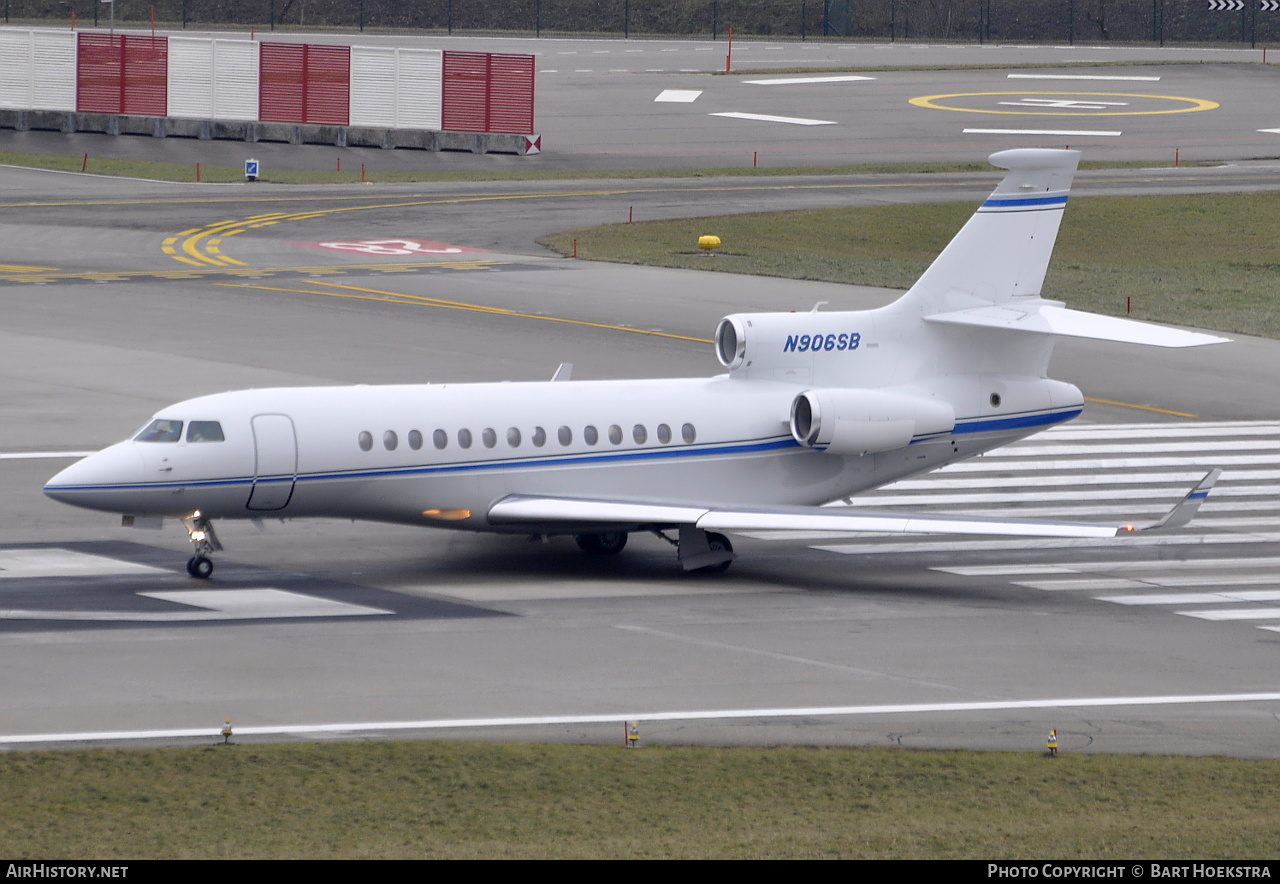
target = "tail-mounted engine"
x: 856, y: 422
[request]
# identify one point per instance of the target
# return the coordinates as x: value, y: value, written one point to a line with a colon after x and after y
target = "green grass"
x: 440, y: 799
x: 1211, y: 261
x: 221, y: 174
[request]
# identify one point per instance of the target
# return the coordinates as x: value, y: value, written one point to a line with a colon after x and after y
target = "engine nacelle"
x: 856, y: 422
x: 793, y: 346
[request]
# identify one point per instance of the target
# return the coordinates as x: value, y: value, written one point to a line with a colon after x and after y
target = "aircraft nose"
x: 95, y: 481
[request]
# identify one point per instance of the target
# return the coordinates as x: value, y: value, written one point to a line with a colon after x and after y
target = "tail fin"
x: 1003, y: 252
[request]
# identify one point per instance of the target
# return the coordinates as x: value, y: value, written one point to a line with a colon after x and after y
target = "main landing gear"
x: 205, y: 541
x: 702, y: 552
x: 606, y: 543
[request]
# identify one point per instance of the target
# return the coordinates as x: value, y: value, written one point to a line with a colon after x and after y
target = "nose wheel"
x: 202, y: 536
x: 200, y: 567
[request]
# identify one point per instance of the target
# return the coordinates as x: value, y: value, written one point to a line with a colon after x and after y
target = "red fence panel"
x: 466, y: 92
x: 511, y: 94
x: 122, y: 74
x: 98, y: 63
x: 488, y: 92
x: 304, y: 83
x: 146, y: 75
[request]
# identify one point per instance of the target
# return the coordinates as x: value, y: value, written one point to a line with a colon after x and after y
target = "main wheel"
x: 200, y: 567
x: 606, y: 543
x: 717, y: 542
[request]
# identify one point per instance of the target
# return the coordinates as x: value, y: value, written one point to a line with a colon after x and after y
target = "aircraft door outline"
x: 275, y: 462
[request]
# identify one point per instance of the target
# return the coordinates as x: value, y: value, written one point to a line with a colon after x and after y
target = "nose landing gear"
x: 200, y: 531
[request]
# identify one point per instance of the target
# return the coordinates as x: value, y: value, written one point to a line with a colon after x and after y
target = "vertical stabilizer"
x: 1002, y: 253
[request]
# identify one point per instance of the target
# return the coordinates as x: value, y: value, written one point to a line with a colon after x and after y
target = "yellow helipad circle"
x: 1192, y: 104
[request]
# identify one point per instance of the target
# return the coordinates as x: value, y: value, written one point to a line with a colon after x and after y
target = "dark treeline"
x: 1056, y: 21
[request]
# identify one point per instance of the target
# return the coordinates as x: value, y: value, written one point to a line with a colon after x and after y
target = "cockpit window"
x: 204, y: 431
x: 160, y: 431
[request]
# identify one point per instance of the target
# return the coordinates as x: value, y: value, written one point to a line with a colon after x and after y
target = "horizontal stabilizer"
x: 1046, y: 318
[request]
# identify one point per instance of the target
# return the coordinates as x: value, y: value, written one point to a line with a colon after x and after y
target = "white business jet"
x: 814, y: 407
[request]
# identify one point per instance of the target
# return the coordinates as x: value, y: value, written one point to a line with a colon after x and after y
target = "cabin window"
x: 390, y: 440
x: 440, y: 439
x: 639, y: 433
x: 565, y: 435
x: 464, y: 438
x: 415, y: 440
x: 366, y: 440
x: 688, y: 433
x: 489, y: 437
x: 539, y: 436
x: 513, y: 437
x: 590, y: 436
x: 664, y: 433
x: 205, y: 431
x: 160, y: 431
x: 615, y: 434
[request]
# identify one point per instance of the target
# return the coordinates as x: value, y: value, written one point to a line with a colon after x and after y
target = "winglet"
x: 1186, y: 509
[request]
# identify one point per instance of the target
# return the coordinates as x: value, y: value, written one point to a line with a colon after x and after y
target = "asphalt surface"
x: 121, y: 297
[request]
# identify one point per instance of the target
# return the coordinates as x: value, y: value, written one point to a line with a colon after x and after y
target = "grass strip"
x: 226, y: 174
x: 1203, y: 260
x: 443, y: 799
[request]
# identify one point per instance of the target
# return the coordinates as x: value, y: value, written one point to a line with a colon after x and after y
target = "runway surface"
x: 121, y: 297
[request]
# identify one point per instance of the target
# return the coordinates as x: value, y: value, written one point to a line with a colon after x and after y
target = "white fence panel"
x: 49, y: 84
x: 396, y: 88
x: 419, y: 90
x: 213, y: 79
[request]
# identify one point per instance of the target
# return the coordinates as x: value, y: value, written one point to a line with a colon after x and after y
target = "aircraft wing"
x: 563, y: 511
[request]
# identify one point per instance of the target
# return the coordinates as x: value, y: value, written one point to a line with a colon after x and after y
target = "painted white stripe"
x: 227, y: 604
x: 849, y: 78
x: 682, y: 96
x: 632, y: 715
x: 1084, y: 567
x: 1070, y: 132
x: 1045, y: 543
x: 1137, y: 434
x: 767, y: 118
x: 1115, y: 472
x: 1130, y: 447
x: 1149, y: 582
x: 32, y: 455
x: 1081, y: 584
x: 1270, y: 131
x: 1076, y: 77
x: 1240, y: 614
x: 53, y: 562
x: 1173, y: 493
x: 1195, y: 598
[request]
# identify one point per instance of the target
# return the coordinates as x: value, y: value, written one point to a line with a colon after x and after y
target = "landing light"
x: 447, y: 515
x: 1128, y: 527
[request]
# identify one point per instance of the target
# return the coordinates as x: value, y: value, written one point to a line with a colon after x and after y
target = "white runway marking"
x: 50, y: 562
x: 213, y: 604
x: 682, y: 96
x: 1270, y: 131
x: 767, y: 118
x: 1068, y: 132
x: 1069, y: 473
x: 652, y: 716
x: 34, y: 455
x: 1239, y: 614
x: 1077, y: 77
x: 787, y: 81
